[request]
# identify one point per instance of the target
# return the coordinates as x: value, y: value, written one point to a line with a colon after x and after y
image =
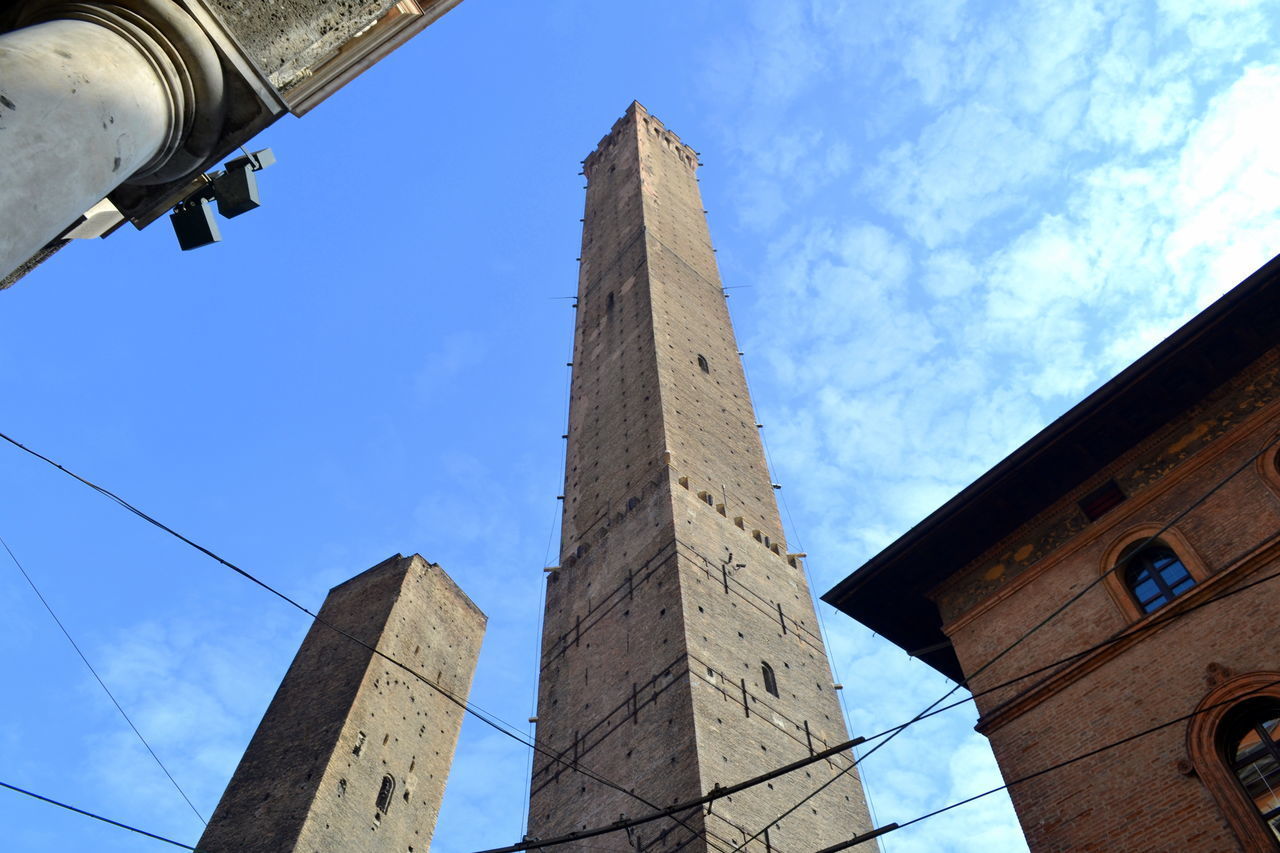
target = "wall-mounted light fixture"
x: 235, y: 190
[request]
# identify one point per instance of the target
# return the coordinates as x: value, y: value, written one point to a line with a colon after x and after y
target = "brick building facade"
x: 680, y: 645
x: 1110, y: 578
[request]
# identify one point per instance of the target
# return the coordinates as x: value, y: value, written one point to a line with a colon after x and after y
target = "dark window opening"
x: 1251, y: 748
x: 608, y: 303
x: 385, y: 792
x: 770, y: 680
x: 1155, y: 576
x: 703, y: 364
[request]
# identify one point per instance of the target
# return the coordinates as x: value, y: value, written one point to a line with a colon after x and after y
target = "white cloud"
x: 1065, y: 184
x: 195, y: 688
x: 948, y: 274
x: 1226, y: 27
x: 1225, y: 187
x: 973, y: 162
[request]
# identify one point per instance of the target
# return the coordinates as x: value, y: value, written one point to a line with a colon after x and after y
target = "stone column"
x: 93, y: 95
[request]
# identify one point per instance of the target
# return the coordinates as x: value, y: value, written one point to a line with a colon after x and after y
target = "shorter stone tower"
x: 354, y: 751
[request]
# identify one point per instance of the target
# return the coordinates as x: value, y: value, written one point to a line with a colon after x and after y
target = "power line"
x: 1046, y: 770
x: 98, y: 678
x: 86, y: 813
x: 537, y: 640
x: 817, y: 605
x: 1056, y: 612
x: 889, y: 733
x: 828, y: 753
x: 1121, y: 636
x: 1121, y: 563
x: 484, y: 717
x: 466, y: 706
x: 716, y: 793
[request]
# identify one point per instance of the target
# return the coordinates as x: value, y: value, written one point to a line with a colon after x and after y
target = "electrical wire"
x: 1128, y: 633
x: 541, y: 615
x: 484, y: 717
x: 716, y: 793
x: 463, y: 704
x: 533, y: 690
x: 98, y: 678
x: 1057, y: 611
x: 817, y: 605
x: 1050, y: 769
x: 95, y: 816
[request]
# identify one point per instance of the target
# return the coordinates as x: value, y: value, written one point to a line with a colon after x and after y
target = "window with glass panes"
x: 1253, y: 753
x: 1156, y: 577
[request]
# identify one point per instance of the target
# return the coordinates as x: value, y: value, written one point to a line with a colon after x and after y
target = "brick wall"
x: 343, y: 720
x: 674, y: 586
x: 1139, y: 796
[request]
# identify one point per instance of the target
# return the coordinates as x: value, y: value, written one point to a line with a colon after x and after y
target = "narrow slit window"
x: 703, y: 364
x: 385, y: 793
x: 770, y: 680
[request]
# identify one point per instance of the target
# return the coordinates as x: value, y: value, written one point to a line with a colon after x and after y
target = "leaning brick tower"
x: 680, y: 649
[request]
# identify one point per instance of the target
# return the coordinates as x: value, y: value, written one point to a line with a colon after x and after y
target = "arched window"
x: 384, y: 793
x: 1249, y: 736
x: 770, y: 680
x: 1231, y: 741
x: 1154, y: 576
x: 703, y: 364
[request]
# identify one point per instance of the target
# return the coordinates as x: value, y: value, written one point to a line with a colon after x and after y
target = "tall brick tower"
x: 680, y: 647
x: 353, y: 752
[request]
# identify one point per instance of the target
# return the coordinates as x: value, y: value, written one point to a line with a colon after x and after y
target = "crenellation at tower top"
x: 637, y: 117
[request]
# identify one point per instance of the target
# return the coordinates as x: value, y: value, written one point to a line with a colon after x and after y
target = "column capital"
x: 183, y: 57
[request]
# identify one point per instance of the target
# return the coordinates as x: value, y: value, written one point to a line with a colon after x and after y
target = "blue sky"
x: 947, y: 222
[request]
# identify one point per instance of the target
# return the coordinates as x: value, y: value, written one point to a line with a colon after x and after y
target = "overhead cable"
x: 1043, y: 771
x: 1046, y: 620
x: 541, y: 615
x: 98, y: 678
x: 461, y: 703
x: 716, y: 793
x: 95, y: 816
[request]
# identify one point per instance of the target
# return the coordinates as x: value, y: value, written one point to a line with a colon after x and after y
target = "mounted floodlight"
x: 236, y: 191
x: 194, y: 223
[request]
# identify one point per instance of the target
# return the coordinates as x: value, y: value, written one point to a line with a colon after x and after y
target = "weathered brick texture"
x: 1140, y: 796
x: 344, y: 719
x: 674, y: 586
